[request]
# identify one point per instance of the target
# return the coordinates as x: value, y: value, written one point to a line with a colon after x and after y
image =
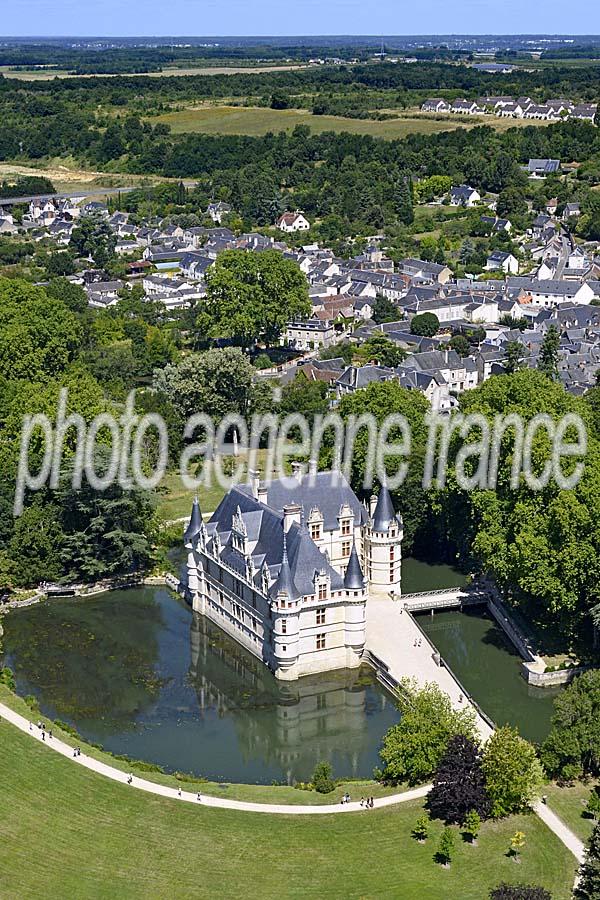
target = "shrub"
x: 445, y: 847
x: 519, y: 892
x: 421, y: 830
x: 32, y: 702
x: 472, y: 826
x: 323, y: 778
x: 7, y: 678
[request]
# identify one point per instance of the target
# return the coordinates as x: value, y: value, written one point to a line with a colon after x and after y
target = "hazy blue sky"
x: 273, y: 17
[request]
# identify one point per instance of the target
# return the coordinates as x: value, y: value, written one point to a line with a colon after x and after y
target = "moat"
x: 137, y: 672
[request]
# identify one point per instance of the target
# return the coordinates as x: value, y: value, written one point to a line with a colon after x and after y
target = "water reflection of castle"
x: 288, y: 723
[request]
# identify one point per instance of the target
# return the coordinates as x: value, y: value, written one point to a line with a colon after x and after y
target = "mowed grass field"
x: 259, y: 120
x: 65, y: 832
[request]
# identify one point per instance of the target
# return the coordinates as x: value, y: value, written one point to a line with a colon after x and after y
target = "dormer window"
x: 322, y: 592
x: 345, y: 526
x: 315, y: 531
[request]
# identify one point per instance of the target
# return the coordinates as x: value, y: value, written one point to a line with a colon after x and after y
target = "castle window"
x: 315, y: 531
x: 391, y: 573
x: 321, y: 701
x: 322, y: 592
x: 346, y: 526
x: 284, y: 627
x: 320, y: 617
x: 284, y: 648
x: 392, y: 553
x: 320, y: 642
x: 345, y: 548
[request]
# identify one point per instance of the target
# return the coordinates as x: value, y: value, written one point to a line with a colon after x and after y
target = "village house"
x: 464, y: 195
x: 291, y: 222
x: 436, y: 105
x: 309, y: 334
x: 539, y: 168
x: 499, y: 260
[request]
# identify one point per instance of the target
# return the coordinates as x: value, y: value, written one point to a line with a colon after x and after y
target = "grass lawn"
x: 175, y: 500
x: 66, y: 832
x: 569, y: 803
x: 260, y: 120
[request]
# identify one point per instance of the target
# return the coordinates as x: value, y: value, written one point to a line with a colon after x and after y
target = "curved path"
x: 549, y: 818
x: 174, y: 793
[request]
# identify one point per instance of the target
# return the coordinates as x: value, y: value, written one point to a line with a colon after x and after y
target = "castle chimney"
x: 253, y: 481
x: 297, y: 468
x: 372, y: 504
x: 263, y: 493
x: 291, y: 513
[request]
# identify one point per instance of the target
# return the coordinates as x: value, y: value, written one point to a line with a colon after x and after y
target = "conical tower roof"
x: 384, y: 513
x: 285, y: 582
x: 354, y: 578
x: 195, y: 523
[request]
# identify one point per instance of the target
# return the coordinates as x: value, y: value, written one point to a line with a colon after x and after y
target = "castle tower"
x: 285, y: 612
x: 383, y: 547
x: 195, y: 524
x: 355, y: 610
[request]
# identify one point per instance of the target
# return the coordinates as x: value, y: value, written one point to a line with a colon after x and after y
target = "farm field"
x: 42, y: 74
x: 260, y: 120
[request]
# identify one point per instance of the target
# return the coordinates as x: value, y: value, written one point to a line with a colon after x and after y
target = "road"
x: 79, y: 195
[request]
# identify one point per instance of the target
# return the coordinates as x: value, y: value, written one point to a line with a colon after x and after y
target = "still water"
x: 488, y: 666
x: 139, y: 673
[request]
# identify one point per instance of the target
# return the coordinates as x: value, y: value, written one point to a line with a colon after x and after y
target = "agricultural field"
x: 260, y: 120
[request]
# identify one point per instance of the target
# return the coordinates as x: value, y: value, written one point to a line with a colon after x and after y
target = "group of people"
x: 76, y: 751
x: 417, y: 642
x: 42, y: 729
x: 367, y: 802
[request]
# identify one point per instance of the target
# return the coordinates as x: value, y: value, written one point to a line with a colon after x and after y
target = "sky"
x: 304, y: 17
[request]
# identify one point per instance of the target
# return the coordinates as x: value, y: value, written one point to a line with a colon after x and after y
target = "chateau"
x: 286, y: 568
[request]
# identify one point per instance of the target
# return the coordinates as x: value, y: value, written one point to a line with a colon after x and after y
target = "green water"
x: 138, y: 672
x: 488, y: 666
x: 422, y: 576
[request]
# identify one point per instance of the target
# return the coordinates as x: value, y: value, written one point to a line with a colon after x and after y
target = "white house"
x: 217, y: 210
x: 279, y: 568
x: 435, y: 105
x: 290, y: 222
x: 499, y: 260
x: 464, y: 195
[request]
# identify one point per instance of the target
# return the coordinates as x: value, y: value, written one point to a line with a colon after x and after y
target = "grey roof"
x: 285, y: 581
x: 265, y: 537
x: 384, y: 513
x: 324, y: 490
x: 354, y: 578
x: 195, y: 522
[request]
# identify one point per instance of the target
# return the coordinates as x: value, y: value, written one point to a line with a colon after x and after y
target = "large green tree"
x: 573, y: 746
x: 413, y: 749
x: 251, y: 296
x: 216, y: 382
x: 513, y: 774
x: 588, y: 885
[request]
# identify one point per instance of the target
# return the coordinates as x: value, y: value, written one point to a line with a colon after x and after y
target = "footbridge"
x: 444, y: 598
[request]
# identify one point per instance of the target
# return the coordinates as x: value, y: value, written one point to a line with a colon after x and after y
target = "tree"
x: 445, y: 849
x: 588, y: 886
x: 517, y: 842
x: 515, y: 354
x: 425, y: 324
x: 472, y: 826
x: 459, y: 783
x: 93, y: 237
x: 378, y: 347
x: 59, y: 264
x: 592, y: 808
x: 421, y: 830
x: 322, y: 778
x: 511, y: 202
x: 216, y: 382
x: 72, y: 295
x: 460, y: 343
x: 403, y: 200
x: 519, y: 892
x: 39, y: 335
x: 549, y: 354
x: 309, y: 398
x: 279, y: 100
x: 513, y: 774
x: 414, y: 747
x: 573, y: 746
x: 253, y: 295
x: 384, y: 310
